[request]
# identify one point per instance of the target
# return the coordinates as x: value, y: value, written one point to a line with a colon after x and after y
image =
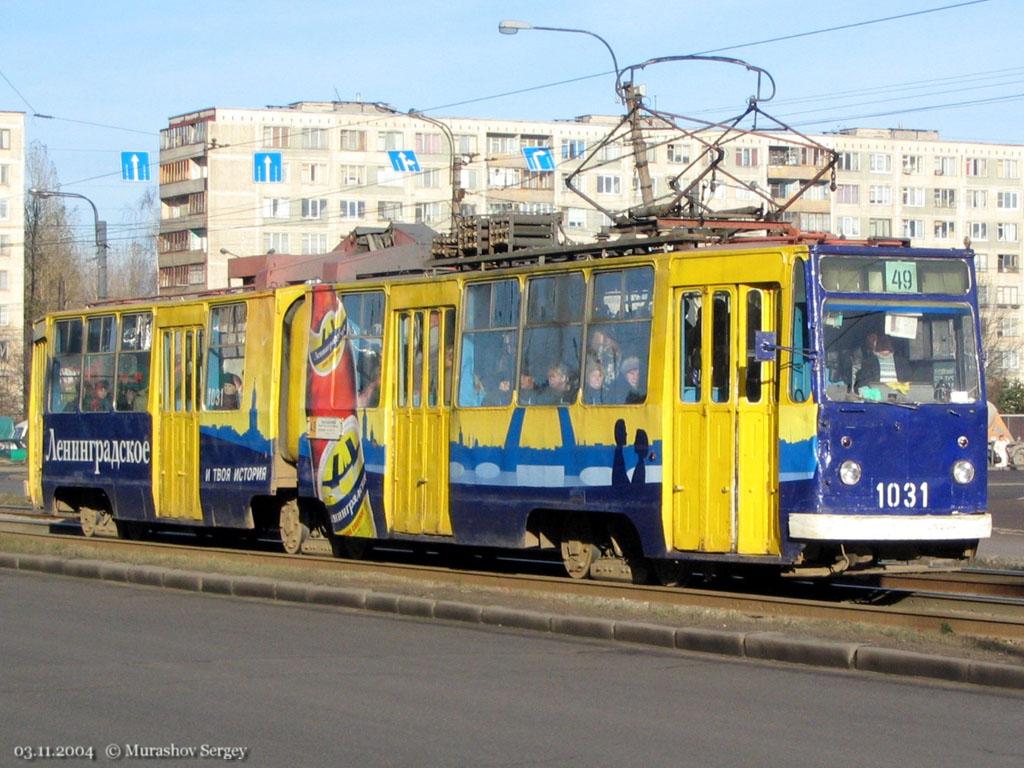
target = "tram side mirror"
x: 765, y: 346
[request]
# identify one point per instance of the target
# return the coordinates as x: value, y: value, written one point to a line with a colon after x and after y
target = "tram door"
x: 176, y: 463
x: 418, y: 455
x: 724, y: 489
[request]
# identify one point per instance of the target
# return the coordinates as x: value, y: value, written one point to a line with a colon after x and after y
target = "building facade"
x: 336, y: 174
x: 12, y: 262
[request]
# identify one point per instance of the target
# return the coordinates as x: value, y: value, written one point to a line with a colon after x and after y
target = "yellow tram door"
x: 723, y: 487
x: 418, y: 454
x: 176, y: 459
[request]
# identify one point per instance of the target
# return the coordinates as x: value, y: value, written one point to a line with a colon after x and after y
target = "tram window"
x: 100, y: 346
x: 66, y: 367
x: 225, y: 369
x: 549, y: 366
x: 691, y: 337
x: 448, y: 324
x: 417, y: 359
x: 800, y: 368
x: 364, y: 329
x: 752, y: 377
x: 721, y: 359
x: 132, y: 387
x: 618, y: 337
x: 403, y: 359
x: 490, y: 340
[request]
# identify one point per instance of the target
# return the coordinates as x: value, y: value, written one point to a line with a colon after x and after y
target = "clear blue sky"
x: 131, y: 65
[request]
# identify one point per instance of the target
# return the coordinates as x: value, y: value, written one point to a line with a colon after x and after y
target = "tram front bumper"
x: 866, y: 527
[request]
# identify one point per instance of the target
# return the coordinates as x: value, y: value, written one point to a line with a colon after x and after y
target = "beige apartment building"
x: 336, y: 174
x: 12, y: 261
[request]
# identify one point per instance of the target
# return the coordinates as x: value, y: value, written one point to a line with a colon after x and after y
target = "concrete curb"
x: 759, y: 646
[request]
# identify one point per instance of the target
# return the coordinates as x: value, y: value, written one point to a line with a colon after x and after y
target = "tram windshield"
x: 910, y: 353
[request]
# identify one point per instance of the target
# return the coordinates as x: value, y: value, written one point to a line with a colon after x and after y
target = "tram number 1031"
x: 909, y: 495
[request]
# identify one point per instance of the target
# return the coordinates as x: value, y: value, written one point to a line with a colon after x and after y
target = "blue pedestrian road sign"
x: 539, y: 158
x: 404, y: 160
x: 135, y: 166
x: 266, y: 167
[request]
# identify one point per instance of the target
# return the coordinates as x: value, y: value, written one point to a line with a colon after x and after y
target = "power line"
x: 15, y: 89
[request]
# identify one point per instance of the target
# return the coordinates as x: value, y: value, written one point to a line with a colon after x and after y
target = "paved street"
x: 89, y: 663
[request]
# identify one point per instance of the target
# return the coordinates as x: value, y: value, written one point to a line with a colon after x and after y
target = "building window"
x: 1007, y: 200
x: 976, y: 166
x: 746, y: 157
x: 981, y: 262
x: 815, y: 222
x: 353, y: 141
x: 314, y: 138
x: 977, y: 198
x: 573, y: 148
x: 429, y: 213
x: 849, y: 226
x: 389, y: 210
x: 879, y: 227
x: 428, y: 179
x: 5, y: 210
x: 1008, y: 262
x: 678, y: 153
x: 945, y: 198
x: 880, y: 162
x: 849, y: 161
x: 845, y: 193
x: 945, y: 166
x: 944, y: 230
x: 504, y: 178
x: 879, y: 195
x: 5, y: 246
x: 1006, y: 233
x: 275, y: 136
x: 352, y: 175
x: 576, y: 218
x: 912, y: 163
x: 913, y: 197
x: 353, y: 209
x: 314, y: 173
x: 429, y: 143
x: 3, y: 280
x: 609, y: 184
x: 388, y: 141
x: 502, y: 144
x: 314, y: 243
x: 979, y: 231
x: 313, y: 208
x: 1008, y: 324
x: 276, y: 242
x: 277, y: 208
x: 465, y: 144
x: 982, y: 295
x: 5, y: 138
x: 1008, y: 296
x: 913, y: 228
x: 5, y: 175
x: 1008, y: 169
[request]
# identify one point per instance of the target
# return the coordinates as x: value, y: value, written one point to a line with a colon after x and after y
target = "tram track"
x: 982, y: 604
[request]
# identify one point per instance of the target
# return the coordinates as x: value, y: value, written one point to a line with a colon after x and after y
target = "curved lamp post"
x: 101, y: 235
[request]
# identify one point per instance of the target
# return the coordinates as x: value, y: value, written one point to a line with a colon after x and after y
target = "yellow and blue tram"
x: 810, y: 406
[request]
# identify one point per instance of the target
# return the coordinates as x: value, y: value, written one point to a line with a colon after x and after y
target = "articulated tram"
x: 805, y: 405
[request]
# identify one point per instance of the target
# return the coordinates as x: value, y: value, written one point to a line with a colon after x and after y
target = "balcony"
x: 182, y: 188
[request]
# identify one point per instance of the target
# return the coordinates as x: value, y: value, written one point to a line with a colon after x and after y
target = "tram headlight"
x: 849, y: 472
x: 963, y: 471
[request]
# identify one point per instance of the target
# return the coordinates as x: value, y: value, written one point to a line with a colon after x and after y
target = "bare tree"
x: 132, y: 259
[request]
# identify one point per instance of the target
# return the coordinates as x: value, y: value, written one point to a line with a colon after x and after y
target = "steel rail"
x: 961, y: 614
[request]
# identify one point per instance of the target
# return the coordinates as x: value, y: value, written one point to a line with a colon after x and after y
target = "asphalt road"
x: 98, y: 664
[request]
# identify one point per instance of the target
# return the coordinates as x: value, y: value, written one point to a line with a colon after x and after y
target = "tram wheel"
x: 89, y: 519
x: 578, y: 548
x: 671, y: 573
x: 293, y: 531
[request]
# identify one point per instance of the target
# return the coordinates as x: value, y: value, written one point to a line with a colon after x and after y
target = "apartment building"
x: 336, y: 174
x: 12, y: 261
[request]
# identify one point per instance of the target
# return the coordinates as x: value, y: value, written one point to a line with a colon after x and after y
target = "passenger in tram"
x: 604, y: 349
x: 100, y: 400
x: 230, y: 392
x: 594, y: 392
x: 631, y: 389
x: 369, y: 389
x: 560, y: 389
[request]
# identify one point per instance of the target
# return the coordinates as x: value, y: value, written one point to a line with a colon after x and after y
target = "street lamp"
x: 628, y: 93
x: 456, y: 165
x: 101, y: 236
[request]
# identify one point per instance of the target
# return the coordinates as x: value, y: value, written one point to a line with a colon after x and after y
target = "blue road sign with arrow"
x: 539, y: 158
x: 266, y: 167
x: 135, y: 166
x: 404, y: 160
